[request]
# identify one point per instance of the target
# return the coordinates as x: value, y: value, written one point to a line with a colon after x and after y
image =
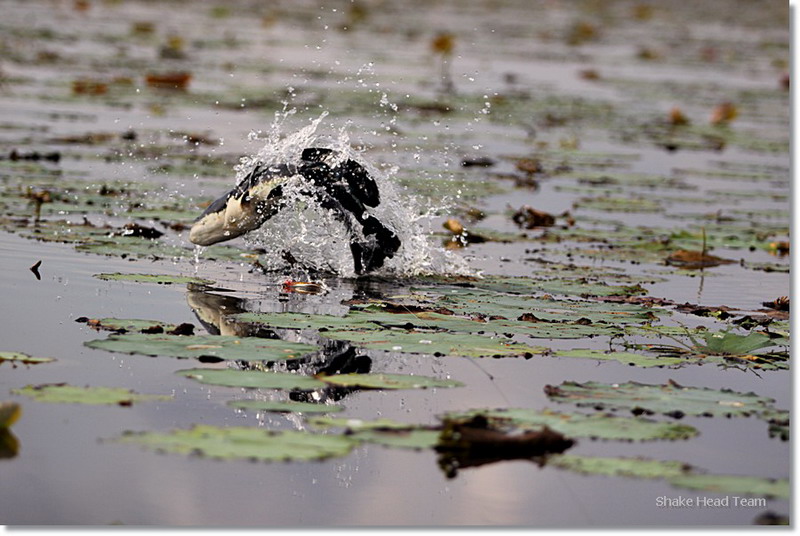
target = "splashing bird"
x: 343, y: 188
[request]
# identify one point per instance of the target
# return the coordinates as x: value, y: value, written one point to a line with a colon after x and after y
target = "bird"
x: 342, y: 187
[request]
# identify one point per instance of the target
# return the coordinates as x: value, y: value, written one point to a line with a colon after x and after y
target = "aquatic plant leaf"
x: 627, y: 467
x: 388, y: 381
x: 350, y: 424
x: 162, y: 279
x: 409, y: 439
x: 61, y: 393
x: 19, y: 357
x: 253, y: 379
x: 277, y: 406
x: 243, y: 443
x: 219, y: 347
x: 727, y: 343
x: 568, y: 287
x: 9, y: 414
x: 305, y: 321
x: 128, y: 324
x: 735, y: 485
x: 435, y: 343
x: 594, y: 426
x: 627, y: 358
x: 668, y: 399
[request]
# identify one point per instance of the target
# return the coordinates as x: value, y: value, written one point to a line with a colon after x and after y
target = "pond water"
x: 579, y: 108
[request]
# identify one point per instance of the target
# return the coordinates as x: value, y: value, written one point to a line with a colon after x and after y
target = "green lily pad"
x: 243, y: 443
x: 254, y: 379
x: 19, y: 357
x: 568, y: 287
x: 161, y: 279
x: 627, y: 358
x: 203, y: 346
x: 61, y: 393
x: 128, y: 324
x: 435, y: 343
x: 595, y: 426
x: 732, y: 484
x: 628, y: 467
x: 284, y: 406
x: 388, y: 381
x: 387, y: 432
x: 668, y: 399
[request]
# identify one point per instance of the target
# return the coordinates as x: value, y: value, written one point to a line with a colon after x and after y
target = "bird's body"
x: 345, y: 189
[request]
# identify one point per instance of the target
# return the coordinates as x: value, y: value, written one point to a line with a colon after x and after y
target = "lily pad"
x: 388, y: 381
x: 128, y: 324
x: 254, y: 379
x: 629, y: 467
x: 161, y: 279
x: 284, y: 406
x: 596, y: 426
x: 735, y: 485
x: 219, y: 347
x: 61, y: 393
x: 668, y: 399
x: 627, y: 358
x: 19, y: 357
x: 243, y: 443
x: 435, y: 343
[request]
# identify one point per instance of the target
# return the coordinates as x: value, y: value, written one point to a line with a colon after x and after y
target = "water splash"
x: 313, y: 239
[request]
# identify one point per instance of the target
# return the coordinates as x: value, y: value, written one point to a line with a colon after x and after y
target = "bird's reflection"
x: 215, y: 312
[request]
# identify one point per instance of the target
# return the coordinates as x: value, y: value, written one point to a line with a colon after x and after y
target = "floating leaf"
x: 386, y: 432
x: 243, y: 443
x: 732, y: 484
x: 627, y: 358
x: 254, y: 379
x: 9, y: 414
x: 695, y: 260
x: 388, y: 381
x: 217, y: 347
x: 19, y: 357
x: 629, y: 467
x: 154, y: 278
x: 61, y: 393
x: 127, y: 324
x: 596, y: 426
x: 668, y: 399
x: 284, y: 406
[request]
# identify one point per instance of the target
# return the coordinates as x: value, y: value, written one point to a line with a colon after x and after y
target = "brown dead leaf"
x: 724, y: 114
x: 176, y: 80
x: 693, y: 260
x: 530, y: 218
x: 677, y: 117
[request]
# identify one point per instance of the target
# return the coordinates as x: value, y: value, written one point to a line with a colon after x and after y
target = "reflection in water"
x: 9, y: 444
x: 214, y: 311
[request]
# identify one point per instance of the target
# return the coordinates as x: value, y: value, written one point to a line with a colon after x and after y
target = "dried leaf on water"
x: 695, y: 260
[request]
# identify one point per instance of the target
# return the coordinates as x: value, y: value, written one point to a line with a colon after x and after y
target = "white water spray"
x: 314, y: 239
